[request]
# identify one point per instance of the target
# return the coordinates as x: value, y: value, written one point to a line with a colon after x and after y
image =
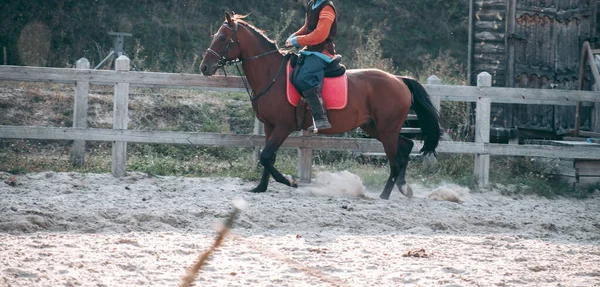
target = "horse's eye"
x: 222, y: 38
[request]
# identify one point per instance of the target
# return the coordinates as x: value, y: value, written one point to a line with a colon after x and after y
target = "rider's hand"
x: 288, y: 42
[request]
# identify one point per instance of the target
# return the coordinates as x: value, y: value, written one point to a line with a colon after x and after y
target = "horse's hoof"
x: 292, y: 181
x: 384, y: 196
x: 406, y: 190
x: 258, y: 190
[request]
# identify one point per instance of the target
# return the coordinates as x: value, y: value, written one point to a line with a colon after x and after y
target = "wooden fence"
x: 122, y: 79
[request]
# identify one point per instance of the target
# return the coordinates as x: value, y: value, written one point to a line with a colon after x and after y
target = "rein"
x: 223, y: 61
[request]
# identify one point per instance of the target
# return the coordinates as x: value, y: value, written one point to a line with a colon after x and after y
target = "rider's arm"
x: 326, y: 18
x: 302, y: 30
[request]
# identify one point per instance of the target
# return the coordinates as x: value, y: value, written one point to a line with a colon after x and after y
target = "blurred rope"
x: 192, y: 273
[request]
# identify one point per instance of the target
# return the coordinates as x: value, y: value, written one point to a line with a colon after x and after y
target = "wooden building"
x: 532, y: 44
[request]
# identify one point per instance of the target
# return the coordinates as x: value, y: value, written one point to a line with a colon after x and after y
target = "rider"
x: 317, y: 35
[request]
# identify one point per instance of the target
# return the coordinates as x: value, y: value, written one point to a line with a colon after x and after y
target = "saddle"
x: 334, y: 69
x: 334, y: 91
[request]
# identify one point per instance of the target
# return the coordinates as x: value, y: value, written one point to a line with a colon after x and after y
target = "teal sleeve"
x: 295, y: 42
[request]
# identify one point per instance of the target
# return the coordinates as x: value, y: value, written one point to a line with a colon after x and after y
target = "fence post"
x: 119, y: 148
x: 259, y: 129
x: 596, y: 116
x: 435, y: 100
x: 80, y: 111
x: 431, y: 160
x: 305, y: 161
x: 482, y: 130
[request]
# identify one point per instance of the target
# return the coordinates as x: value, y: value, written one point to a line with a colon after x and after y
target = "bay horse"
x: 378, y: 102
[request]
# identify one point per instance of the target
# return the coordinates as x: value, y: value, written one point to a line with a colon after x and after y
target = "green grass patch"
x: 511, y: 175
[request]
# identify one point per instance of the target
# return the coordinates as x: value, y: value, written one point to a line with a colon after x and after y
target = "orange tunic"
x: 326, y: 18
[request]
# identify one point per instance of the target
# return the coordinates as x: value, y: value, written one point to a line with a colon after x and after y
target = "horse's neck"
x: 261, y: 71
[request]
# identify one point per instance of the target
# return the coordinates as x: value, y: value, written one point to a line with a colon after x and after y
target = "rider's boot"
x: 317, y: 108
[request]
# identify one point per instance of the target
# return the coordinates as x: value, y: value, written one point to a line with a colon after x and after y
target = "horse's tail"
x: 429, y: 117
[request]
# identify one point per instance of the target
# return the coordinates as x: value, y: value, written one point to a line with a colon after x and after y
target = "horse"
x: 378, y: 102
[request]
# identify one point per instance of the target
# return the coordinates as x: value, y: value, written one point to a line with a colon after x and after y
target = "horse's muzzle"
x: 206, y: 70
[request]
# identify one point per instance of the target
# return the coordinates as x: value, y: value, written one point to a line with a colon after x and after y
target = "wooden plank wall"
x: 489, y: 47
x: 547, y: 55
x: 580, y: 173
x: 532, y: 44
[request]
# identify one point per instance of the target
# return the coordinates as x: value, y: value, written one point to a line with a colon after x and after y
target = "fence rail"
x: 316, y: 142
x: 122, y: 79
x: 234, y: 83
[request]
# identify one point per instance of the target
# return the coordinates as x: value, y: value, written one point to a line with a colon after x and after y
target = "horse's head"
x: 223, y: 48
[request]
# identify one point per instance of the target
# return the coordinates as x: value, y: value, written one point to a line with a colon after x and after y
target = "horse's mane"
x: 258, y: 32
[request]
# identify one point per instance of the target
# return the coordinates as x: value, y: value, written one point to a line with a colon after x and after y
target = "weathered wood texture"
x: 305, y: 156
x: 512, y: 95
x: 435, y: 99
x: 109, y: 78
x: 80, y: 111
x: 581, y: 173
x: 596, y: 114
x: 219, y: 83
x: 120, y: 118
x: 484, y: 95
x: 315, y: 142
x: 489, y: 46
x: 549, y: 56
x: 532, y: 44
x: 482, y: 130
x: 259, y: 129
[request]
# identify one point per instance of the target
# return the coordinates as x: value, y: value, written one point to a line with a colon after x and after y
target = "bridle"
x: 223, y: 60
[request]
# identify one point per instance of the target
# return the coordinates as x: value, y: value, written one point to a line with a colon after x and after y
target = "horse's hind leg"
x: 397, y: 149
x: 404, y: 148
x: 390, y: 145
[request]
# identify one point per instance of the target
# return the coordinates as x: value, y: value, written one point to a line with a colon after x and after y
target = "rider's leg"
x: 310, y: 81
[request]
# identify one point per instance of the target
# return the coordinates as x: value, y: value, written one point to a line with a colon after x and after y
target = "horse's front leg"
x: 264, y: 179
x: 267, y: 159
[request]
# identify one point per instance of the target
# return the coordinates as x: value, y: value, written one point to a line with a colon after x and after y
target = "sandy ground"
x: 69, y: 229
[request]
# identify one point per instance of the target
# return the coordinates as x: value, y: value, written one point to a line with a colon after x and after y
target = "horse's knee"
x: 265, y: 161
x: 267, y: 158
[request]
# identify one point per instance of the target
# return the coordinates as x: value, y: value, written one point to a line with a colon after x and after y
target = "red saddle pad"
x: 335, y: 91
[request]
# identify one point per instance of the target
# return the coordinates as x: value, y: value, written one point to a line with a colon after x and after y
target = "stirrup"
x: 314, y: 127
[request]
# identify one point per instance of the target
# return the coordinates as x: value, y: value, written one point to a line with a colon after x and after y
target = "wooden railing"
x: 122, y: 79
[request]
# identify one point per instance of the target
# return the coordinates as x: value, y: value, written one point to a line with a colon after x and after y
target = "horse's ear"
x: 229, y: 19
